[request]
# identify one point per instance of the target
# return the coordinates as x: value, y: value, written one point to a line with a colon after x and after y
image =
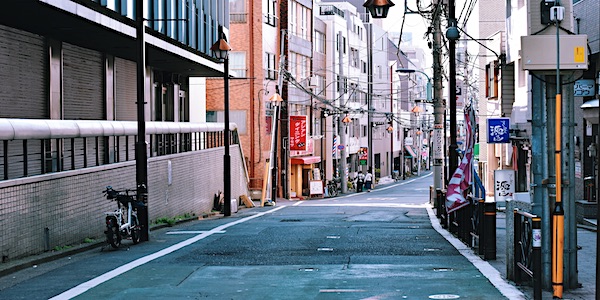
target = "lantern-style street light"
x: 221, y: 51
x: 378, y: 8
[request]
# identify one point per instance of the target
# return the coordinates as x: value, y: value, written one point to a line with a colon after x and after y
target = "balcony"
x: 330, y: 10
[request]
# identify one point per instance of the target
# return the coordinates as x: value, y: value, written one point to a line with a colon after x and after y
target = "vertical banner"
x: 298, y: 133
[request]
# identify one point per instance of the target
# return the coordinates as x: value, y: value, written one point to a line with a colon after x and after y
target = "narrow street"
x: 377, y: 245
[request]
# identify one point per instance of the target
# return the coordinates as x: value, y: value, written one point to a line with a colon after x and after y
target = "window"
x: 235, y: 116
x: 354, y: 58
x: 237, y: 63
x: 271, y: 16
x: 293, y: 64
x: 491, y: 83
x: 319, y: 42
x: 237, y: 11
x: 304, y: 67
x: 363, y: 68
x: 293, y: 17
x: 303, y: 22
x: 270, y: 68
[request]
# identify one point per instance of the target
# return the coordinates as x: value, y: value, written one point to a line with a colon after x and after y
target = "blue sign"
x: 498, y: 130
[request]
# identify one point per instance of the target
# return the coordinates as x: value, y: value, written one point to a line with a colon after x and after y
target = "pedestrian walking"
x: 369, y: 181
x: 360, y: 181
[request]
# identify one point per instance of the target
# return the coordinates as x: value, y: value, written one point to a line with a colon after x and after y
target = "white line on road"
x: 82, y: 288
x: 508, y: 290
x: 191, y: 232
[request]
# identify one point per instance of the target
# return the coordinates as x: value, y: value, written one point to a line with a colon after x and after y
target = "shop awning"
x: 409, y: 152
x: 305, y: 160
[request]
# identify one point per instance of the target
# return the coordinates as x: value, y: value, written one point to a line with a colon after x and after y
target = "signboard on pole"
x: 363, y: 156
x: 298, y: 133
x: 498, y: 130
x: 504, y: 185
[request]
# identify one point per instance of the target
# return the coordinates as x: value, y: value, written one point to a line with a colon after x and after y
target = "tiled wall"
x: 71, y: 205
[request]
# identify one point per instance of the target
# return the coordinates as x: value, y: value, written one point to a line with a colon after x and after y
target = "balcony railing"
x: 238, y: 17
x: 327, y: 10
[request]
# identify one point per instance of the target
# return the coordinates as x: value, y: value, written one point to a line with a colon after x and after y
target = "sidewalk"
x: 586, y: 262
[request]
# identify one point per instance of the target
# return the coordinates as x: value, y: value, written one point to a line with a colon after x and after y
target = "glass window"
x: 237, y: 63
x: 270, y: 69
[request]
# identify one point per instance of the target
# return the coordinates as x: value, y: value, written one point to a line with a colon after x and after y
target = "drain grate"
x: 291, y: 220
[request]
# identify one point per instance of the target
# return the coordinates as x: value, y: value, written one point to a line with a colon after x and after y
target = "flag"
x: 461, y: 179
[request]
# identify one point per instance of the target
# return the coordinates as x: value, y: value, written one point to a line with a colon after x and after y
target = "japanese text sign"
x: 298, y: 133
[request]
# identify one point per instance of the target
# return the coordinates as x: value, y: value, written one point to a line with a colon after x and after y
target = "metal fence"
x: 35, y: 147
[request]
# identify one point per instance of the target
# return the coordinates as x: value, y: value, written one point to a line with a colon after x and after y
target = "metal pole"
x: 453, y: 155
x: 537, y: 257
x: 370, y: 100
x: 558, y: 215
x: 226, y: 157
x: 141, y: 159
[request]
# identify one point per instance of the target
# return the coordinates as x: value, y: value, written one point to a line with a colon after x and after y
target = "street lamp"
x: 276, y: 101
x: 378, y: 8
x: 221, y: 51
x: 409, y: 71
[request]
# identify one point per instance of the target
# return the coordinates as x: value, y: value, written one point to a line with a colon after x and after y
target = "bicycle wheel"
x: 135, y: 230
x: 113, y: 237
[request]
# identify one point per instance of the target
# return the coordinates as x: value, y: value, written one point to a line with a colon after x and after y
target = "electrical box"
x: 538, y: 52
x: 545, y: 6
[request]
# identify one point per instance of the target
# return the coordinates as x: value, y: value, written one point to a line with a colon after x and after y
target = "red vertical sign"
x: 298, y: 133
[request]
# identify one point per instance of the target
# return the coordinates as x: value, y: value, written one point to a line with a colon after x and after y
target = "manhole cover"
x: 444, y: 296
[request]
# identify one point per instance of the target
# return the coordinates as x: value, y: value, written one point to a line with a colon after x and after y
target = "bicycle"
x: 332, y: 188
x: 116, y: 227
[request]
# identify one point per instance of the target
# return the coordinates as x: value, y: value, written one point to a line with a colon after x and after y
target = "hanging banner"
x: 298, y: 133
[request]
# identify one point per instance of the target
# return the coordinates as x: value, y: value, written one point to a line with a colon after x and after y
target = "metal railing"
x: 33, y: 147
x: 326, y: 10
x: 238, y: 17
x: 474, y: 224
x: 527, y: 250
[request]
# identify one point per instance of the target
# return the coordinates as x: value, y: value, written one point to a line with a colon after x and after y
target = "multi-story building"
x: 68, y: 101
x: 254, y: 66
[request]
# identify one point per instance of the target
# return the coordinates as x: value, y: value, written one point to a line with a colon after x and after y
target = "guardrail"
x: 34, y: 147
x: 474, y: 224
x: 527, y: 250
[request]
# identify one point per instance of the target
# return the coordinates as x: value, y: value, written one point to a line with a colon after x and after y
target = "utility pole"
x: 438, y: 105
x: 452, y: 35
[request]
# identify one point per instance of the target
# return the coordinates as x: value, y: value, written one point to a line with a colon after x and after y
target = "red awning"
x: 305, y: 160
x: 409, y: 151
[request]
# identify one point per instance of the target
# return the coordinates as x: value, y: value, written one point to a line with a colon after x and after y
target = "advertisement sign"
x: 498, y: 130
x: 298, y: 133
x: 504, y: 185
x: 583, y: 88
x: 363, y: 156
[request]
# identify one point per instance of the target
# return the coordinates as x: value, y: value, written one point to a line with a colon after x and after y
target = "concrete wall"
x: 71, y: 205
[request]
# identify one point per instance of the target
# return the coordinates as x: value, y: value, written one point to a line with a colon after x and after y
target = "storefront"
x: 302, y: 173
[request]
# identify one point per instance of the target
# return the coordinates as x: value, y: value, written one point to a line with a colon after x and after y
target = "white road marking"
x: 82, y: 288
x: 191, y: 232
x: 505, y: 288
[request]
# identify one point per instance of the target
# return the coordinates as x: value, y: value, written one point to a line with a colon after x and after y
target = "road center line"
x: 82, y: 288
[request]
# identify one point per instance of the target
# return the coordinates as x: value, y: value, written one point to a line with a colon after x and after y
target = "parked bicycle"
x: 332, y: 187
x: 123, y: 222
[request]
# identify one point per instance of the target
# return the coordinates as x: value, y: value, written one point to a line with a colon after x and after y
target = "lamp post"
x: 221, y: 50
x: 276, y: 100
x: 141, y: 159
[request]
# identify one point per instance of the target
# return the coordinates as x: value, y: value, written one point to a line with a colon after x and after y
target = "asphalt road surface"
x: 377, y: 245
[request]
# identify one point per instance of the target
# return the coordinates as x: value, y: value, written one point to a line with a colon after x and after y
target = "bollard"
x: 479, y: 230
x: 438, y: 203
x: 489, y: 227
x: 537, y: 257
x: 516, y: 276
